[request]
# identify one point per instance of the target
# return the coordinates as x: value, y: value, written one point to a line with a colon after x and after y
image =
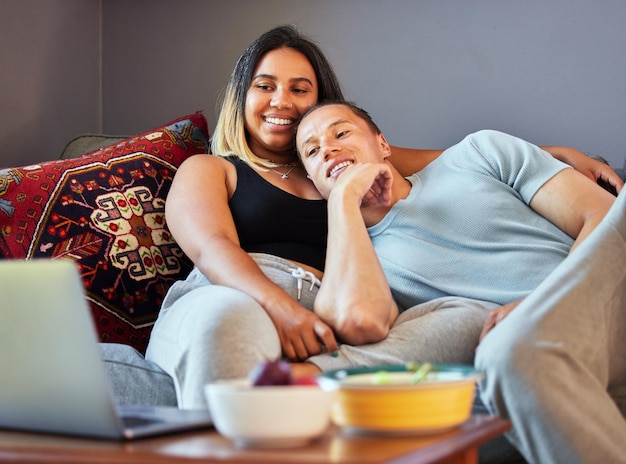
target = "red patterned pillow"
x: 105, y: 210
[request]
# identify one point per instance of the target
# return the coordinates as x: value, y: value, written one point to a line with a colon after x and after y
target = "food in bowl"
x: 265, y: 415
x: 272, y: 373
x: 389, y: 399
x: 268, y: 373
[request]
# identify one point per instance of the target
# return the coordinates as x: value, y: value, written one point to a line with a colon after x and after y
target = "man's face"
x: 331, y: 139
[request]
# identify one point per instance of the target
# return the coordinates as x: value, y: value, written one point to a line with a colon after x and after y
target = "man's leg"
x: 556, y: 365
x: 445, y: 330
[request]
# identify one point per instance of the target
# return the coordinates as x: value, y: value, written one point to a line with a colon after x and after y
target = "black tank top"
x: 270, y: 220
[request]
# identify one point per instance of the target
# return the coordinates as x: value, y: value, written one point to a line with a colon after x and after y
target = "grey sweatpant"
x: 556, y: 366
x: 207, y: 332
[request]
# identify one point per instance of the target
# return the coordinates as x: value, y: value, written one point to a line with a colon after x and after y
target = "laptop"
x: 52, y: 377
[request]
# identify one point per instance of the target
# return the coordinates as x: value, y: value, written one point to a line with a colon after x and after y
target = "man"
x: 490, y: 219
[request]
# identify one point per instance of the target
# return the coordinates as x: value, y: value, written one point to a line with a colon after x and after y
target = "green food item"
x: 419, y: 371
x: 381, y: 378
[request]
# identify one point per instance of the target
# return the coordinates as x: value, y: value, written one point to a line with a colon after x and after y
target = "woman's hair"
x: 230, y: 136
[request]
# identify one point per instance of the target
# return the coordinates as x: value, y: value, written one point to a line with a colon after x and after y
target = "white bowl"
x: 269, y: 416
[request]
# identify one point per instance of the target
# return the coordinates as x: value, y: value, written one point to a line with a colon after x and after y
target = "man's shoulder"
x: 489, y: 138
x: 476, y: 146
x: 500, y: 147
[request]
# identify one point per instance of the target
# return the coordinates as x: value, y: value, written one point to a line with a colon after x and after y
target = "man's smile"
x: 335, y: 169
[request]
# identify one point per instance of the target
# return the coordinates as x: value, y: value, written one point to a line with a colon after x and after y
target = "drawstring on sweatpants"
x: 300, y: 274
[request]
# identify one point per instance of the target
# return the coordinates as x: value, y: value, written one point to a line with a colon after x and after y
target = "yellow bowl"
x: 442, y: 400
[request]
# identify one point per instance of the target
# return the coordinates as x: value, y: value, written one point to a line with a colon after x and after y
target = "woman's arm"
x: 411, y: 160
x: 199, y: 218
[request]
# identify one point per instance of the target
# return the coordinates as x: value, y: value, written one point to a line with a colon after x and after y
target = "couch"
x: 102, y: 205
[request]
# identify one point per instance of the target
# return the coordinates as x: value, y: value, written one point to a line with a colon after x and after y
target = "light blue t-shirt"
x: 466, y: 228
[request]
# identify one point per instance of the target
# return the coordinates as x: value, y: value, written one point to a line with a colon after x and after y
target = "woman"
x: 254, y: 226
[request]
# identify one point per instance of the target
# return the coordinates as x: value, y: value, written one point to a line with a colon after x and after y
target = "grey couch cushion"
x: 134, y: 379
x: 88, y: 142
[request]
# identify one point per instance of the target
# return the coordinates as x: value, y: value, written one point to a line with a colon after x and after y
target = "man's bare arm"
x: 355, y: 298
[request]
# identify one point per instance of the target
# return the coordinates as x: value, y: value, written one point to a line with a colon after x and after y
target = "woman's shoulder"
x: 209, y: 169
x: 202, y: 162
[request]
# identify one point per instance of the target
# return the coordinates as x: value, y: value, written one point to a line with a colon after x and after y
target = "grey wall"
x: 430, y: 71
x: 49, y: 76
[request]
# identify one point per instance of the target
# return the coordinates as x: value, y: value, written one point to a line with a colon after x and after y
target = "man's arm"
x: 355, y: 298
x: 573, y: 203
x: 597, y: 171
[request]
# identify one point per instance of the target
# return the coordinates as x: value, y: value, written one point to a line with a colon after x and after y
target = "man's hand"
x: 370, y: 183
x: 496, y: 315
x: 596, y: 170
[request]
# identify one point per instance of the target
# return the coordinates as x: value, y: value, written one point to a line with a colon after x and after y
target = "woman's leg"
x: 134, y: 379
x: 211, y: 333
x: 208, y: 332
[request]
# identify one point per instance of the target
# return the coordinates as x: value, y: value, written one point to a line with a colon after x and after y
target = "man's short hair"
x: 358, y: 111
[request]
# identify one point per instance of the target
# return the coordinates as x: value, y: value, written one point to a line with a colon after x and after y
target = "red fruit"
x: 306, y: 380
x: 269, y: 373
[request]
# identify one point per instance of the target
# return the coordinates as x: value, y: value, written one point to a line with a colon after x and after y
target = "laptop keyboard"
x: 137, y: 421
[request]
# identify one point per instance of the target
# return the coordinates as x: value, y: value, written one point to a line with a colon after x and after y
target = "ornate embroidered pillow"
x: 105, y: 211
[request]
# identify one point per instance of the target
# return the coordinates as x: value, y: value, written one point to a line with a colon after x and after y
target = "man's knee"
x: 503, y: 355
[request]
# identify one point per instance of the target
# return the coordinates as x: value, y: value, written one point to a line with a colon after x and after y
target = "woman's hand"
x: 302, y: 333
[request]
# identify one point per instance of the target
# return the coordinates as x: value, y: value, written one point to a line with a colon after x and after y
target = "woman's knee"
x: 215, y: 310
x: 204, y: 319
x: 212, y: 332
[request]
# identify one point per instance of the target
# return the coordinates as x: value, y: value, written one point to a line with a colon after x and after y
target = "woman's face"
x: 283, y: 87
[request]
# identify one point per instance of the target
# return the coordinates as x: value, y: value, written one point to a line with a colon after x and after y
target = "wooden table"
x: 336, y: 446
